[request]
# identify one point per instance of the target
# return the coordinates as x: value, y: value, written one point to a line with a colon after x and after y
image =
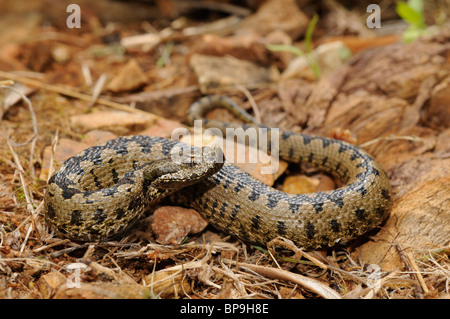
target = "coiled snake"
x: 103, y: 190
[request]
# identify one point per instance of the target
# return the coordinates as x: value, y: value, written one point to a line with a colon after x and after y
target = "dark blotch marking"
x: 255, y: 222
x: 115, y: 176
x: 326, y: 142
x: 310, y: 157
x: 96, y: 160
x: 318, y: 207
x: 120, y: 213
x: 309, y: 230
x: 214, y: 206
x: 122, y: 151
x: 235, y: 211
x: 294, y: 207
x: 134, y: 204
x: 363, y: 191
x: 254, y: 195
x: 99, y: 216
x: 272, y: 202
x: 223, y: 209
x: 286, y: 134
x: 281, y: 228
x: 385, y: 194
x: 307, y: 139
x: 76, y: 219
x: 51, y: 211
x: 360, y: 214
x: 291, y: 152
x: 238, y: 187
x: 324, y: 161
x: 354, y: 156
x: 67, y: 192
x: 338, y: 201
x: 96, y: 181
x: 335, y: 226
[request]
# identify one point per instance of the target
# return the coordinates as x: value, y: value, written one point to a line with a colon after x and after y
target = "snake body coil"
x: 103, y: 190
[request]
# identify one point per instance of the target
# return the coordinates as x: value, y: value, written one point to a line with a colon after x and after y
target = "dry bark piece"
x: 163, y: 128
x: 437, y: 114
x: 101, y: 291
x: 420, y: 218
x: 129, y: 77
x: 171, y: 224
x: 274, y: 15
x: 225, y: 73
x: 366, y: 115
x: 397, y: 70
x: 118, y: 122
x: 250, y: 47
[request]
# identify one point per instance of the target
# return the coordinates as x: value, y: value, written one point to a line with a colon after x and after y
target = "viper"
x: 102, y: 191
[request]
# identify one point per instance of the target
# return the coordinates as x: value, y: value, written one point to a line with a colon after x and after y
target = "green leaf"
x: 285, y: 48
x: 416, y: 5
x: 309, y: 32
x: 410, y: 15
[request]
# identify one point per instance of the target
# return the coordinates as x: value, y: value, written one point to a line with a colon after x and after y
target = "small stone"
x: 48, y: 284
x: 172, y: 224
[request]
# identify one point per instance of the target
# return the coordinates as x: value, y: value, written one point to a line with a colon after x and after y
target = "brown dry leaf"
x: 273, y: 15
x: 301, y: 184
x: 167, y: 284
x: 171, y: 224
x: 419, y: 218
x: 129, y: 77
x: 226, y: 73
x: 118, y: 122
x: 342, y: 134
x: 437, y: 113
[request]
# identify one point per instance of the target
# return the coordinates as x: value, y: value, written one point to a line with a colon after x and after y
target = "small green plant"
x: 165, y: 56
x: 412, y: 13
x: 308, y: 46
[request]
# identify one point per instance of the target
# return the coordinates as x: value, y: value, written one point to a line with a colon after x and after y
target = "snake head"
x: 183, y: 170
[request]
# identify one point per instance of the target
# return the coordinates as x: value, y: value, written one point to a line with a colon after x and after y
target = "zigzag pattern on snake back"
x: 100, y: 193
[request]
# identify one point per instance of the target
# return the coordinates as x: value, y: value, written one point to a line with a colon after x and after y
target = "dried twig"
x: 71, y: 93
x: 309, y: 283
x: 392, y: 138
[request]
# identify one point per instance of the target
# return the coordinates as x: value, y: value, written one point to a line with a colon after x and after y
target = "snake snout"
x: 169, y: 174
